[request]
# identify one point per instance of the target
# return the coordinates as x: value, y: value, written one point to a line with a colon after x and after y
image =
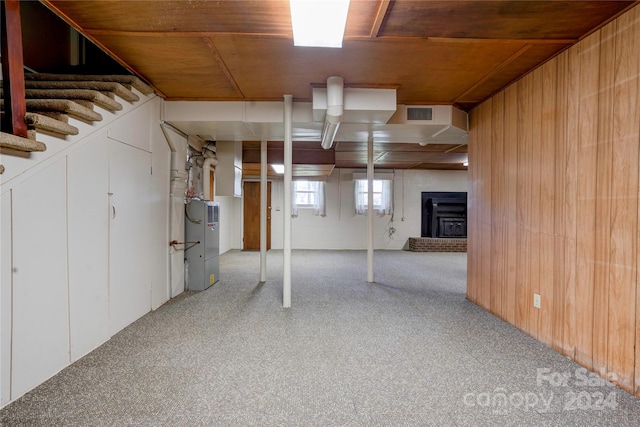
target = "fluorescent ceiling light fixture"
x: 278, y: 169
x: 318, y: 23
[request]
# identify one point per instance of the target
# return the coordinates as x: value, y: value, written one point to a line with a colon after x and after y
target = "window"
x: 382, y: 196
x: 305, y: 194
x: 308, y: 195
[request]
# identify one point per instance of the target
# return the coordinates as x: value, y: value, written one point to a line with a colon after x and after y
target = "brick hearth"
x: 430, y: 244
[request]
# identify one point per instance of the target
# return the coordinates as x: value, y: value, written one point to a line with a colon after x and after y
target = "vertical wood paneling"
x: 535, y: 213
x: 484, y: 296
x: 523, y: 205
x: 511, y: 161
x: 561, y: 215
x: 635, y: 13
x: 589, y: 54
x: 571, y: 196
x: 624, y: 212
x: 560, y: 236
x: 473, y: 253
x: 497, y: 225
x: 603, y: 195
x: 547, y: 203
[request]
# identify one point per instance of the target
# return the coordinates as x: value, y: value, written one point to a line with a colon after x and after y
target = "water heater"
x: 202, y: 253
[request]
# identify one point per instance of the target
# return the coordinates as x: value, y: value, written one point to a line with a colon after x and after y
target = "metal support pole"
x: 370, y: 208
x: 263, y: 210
x: 288, y: 160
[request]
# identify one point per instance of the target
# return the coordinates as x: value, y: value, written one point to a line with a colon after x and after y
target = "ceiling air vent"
x: 419, y: 113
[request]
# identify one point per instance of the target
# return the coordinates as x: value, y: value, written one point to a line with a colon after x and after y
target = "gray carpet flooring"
x: 407, y: 350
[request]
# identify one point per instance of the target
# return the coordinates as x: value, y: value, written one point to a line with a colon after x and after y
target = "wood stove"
x: 444, y: 214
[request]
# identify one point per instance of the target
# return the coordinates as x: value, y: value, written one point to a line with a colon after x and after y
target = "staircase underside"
x: 51, y: 99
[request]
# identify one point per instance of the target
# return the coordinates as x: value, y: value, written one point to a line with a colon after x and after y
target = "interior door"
x: 40, y: 305
x: 129, y: 212
x: 251, y: 237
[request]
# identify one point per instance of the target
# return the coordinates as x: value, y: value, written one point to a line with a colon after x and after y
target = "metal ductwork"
x: 437, y: 124
x: 335, y: 109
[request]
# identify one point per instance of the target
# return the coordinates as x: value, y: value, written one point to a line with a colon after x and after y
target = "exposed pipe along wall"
x: 177, y: 142
x: 210, y: 160
x: 201, y: 158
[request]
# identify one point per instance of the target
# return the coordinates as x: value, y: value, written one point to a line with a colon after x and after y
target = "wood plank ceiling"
x: 431, y: 51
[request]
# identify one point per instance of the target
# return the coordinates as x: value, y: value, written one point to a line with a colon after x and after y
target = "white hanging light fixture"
x: 318, y: 23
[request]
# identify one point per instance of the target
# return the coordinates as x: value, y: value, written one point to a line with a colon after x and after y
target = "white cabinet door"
x: 6, y: 267
x: 129, y: 213
x: 229, y: 168
x: 88, y: 185
x: 40, y: 343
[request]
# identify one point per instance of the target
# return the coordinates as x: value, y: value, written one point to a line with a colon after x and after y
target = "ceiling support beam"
x: 223, y: 66
x: 288, y: 150
x: 454, y: 148
x: 13, y: 70
x: 385, y: 7
x: 180, y: 34
x: 517, y: 54
x: 498, y: 41
x: 380, y: 15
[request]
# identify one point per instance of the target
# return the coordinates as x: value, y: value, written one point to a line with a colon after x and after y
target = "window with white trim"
x: 382, y: 196
x: 308, y: 195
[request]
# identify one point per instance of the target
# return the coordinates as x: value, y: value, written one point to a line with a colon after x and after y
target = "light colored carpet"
x: 406, y: 350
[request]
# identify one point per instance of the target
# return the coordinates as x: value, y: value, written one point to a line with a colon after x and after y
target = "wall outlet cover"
x: 536, y: 300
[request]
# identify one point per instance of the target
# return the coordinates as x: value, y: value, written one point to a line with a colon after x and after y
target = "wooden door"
x: 251, y: 238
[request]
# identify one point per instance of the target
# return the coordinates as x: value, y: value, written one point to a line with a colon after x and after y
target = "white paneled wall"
x: 129, y: 234
x: 230, y: 222
x: 6, y: 266
x: 342, y: 228
x: 40, y: 328
x: 59, y: 298
x: 88, y: 202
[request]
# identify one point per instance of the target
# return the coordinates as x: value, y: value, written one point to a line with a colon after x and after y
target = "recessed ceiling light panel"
x: 318, y: 23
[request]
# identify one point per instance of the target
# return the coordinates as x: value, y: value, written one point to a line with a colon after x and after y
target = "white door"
x: 40, y: 339
x: 88, y: 210
x: 129, y: 212
x: 6, y: 267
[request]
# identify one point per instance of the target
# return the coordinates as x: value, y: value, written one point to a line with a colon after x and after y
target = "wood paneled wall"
x: 554, y: 206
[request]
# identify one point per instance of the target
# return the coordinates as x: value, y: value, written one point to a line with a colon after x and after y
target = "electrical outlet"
x: 536, y: 300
